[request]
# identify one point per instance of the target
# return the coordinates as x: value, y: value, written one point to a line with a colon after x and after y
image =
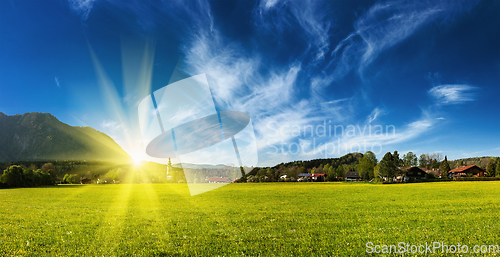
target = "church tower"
x: 169, y: 168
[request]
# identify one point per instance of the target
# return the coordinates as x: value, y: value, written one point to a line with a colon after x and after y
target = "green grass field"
x: 328, y: 219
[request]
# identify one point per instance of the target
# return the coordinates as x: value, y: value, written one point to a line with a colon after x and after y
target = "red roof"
x: 315, y: 175
x: 461, y: 168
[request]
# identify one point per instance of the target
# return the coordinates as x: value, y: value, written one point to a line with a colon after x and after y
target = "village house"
x: 352, y: 176
x: 414, y: 173
x: 466, y: 171
x: 85, y: 180
x: 317, y: 177
x: 303, y: 177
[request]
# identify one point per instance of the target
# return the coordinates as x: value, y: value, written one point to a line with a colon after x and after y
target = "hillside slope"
x: 41, y: 136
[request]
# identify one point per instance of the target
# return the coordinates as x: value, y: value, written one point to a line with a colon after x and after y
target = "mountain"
x: 41, y: 136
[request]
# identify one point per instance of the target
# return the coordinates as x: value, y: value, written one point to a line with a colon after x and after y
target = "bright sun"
x: 137, y: 158
x: 137, y: 161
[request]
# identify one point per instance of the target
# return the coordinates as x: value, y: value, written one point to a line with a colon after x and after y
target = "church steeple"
x: 169, y: 167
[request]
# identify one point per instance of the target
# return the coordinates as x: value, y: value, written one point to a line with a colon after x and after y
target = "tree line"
x: 334, y: 168
x: 31, y: 174
x: 37, y: 173
x: 368, y: 167
x: 16, y: 176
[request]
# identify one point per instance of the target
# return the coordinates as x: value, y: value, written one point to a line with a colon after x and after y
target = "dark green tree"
x: 461, y: 163
x: 38, y: 177
x: 497, y: 172
x: 366, y: 165
x: 44, y: 179
x: 13, y: 176
x: 29, y: 177
x: 388, y: 166
x: 326, y: 168
x: 422, y: 161
x: 340, y: 171
x: 396, y: 160
x: 410, y: 159
x: 376, y: 171
x: 491, y: 168
x: 434, y: 164
x: 330, y: 172
x: 445, y: 168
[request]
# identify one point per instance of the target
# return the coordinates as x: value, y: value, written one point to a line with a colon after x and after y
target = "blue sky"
x: 429, y: 70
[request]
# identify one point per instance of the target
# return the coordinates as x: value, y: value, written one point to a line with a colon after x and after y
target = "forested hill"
x: 41, y: 136
x: 479, y: 161
x: 348, y: 162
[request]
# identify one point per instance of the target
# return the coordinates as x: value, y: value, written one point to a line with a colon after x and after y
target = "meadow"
x: 293, y: 219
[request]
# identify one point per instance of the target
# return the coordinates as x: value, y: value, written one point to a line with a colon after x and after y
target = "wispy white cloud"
x: 81, y: 7
x: 237, y: 83
x: 228, y: 70
x: 281, y: 98
x: 389, y: 23
x: 390, y: 135
x: 56, y: 79
x: 271, y: 94
x: 272, y: 102
x: 310, y: 15
x: 377, y: 112
x: 384, y: 25
x: 452, y: 94
x: 339, y: 110
x: 267, y: 4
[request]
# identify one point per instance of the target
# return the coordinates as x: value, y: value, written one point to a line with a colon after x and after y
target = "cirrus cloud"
x: 452, y: 94
x: 81, y: 7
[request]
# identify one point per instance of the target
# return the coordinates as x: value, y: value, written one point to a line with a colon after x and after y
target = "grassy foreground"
x: 329, y: 219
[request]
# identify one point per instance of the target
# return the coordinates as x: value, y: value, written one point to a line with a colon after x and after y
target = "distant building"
x: 414, y: 173
x: 352, y: 176
x: 303, y: 177
x: 85, y: 180
x: 466, y: 171
x: 316, y: 177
